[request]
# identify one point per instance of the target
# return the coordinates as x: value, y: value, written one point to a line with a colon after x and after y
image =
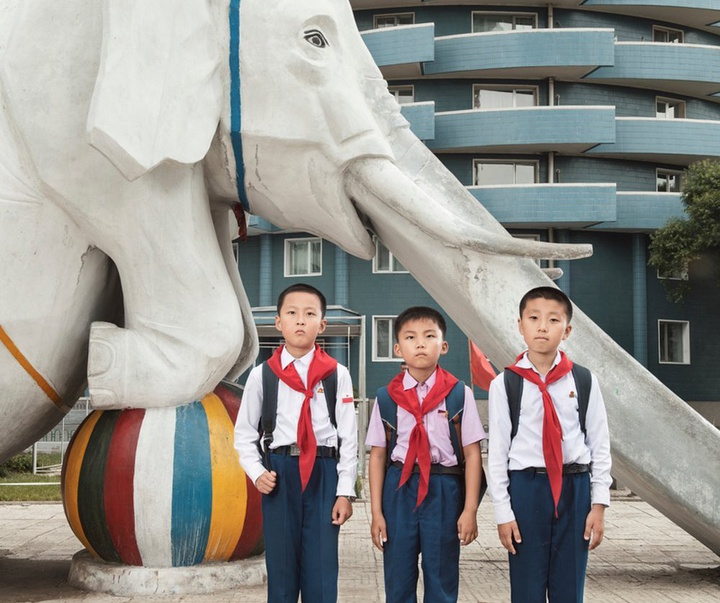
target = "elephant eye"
x: 316, y: 38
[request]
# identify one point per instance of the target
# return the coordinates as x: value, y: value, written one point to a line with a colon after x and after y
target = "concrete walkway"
x: 644, y: 559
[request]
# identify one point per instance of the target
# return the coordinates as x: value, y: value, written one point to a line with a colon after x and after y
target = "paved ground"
x: 644, y: 559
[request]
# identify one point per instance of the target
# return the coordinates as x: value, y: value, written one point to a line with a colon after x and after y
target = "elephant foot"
x: 148, y: 369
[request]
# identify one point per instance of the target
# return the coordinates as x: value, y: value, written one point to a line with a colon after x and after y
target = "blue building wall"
x: 616, y: 169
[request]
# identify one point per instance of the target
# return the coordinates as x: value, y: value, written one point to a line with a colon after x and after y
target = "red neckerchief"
x: 552, y: 431
x: 419, y: 444
x: 321, y: 366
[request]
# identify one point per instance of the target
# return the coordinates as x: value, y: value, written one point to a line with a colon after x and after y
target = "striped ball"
x: 162, y: 487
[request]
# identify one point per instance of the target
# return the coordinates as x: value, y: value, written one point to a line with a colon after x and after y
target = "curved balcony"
x: 677, y: 141
x: 541, y: 205
x: 401, y: 51
x: 421, y: 117
x: 699, y: 14
x: 644, y: 211
x: 564, y: 53
x: 688, y: 69
x: 566, y: 129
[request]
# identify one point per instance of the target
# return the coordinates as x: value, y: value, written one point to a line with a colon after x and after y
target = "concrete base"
x: 87, y: 573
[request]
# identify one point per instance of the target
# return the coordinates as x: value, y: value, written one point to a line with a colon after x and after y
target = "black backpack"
x: 268, y: 415
x: 514, y: 387
x: 455, y: 404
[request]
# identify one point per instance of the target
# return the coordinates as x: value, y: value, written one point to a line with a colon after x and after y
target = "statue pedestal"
x: 87, y: 573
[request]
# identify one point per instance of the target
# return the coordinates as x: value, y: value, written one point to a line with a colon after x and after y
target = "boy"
x: 308, y: 481
x: 540, y: 479
x: 418, y: 501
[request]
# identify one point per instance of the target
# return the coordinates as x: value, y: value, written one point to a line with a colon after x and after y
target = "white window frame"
x: 396, y: 16
x: 685, y: 342
x: 514, y: 89
x: 391, y: 338
x: 669, y: 32
x: 513, y: 14
x: 667, y: 173
x: 679, y: 105
x: 533, y: 163
x: 289, y: 248
x: 683, y: 275
x: 402, y: 100
x: 396, y: 266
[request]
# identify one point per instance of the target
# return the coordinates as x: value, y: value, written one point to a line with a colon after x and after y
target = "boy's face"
x: 420, y: 344
x: 300, y: 321
x: 544, y: 325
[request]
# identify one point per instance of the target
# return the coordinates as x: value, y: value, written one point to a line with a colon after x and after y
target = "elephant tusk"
x: 374, y: 182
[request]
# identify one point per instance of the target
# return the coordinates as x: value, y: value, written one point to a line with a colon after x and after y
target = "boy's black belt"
x: 569, y: 469
x: 325, y: 452
x: 434, y: 468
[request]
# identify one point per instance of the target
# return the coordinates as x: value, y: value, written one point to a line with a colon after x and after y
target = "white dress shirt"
x: 526, y: 450
x: 289, y: 404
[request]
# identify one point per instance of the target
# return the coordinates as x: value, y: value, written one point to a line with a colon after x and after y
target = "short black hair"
x: 551, y: 293
x: 419, y: 313
x: 302, y: 288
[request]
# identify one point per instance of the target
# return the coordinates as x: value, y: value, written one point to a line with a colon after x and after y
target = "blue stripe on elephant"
x: 192, y: 486
x: 235, y: 100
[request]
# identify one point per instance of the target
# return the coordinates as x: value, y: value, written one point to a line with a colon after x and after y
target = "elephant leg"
x: 183, y: 326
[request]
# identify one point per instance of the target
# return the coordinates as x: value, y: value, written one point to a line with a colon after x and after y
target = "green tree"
x: 684, y: 240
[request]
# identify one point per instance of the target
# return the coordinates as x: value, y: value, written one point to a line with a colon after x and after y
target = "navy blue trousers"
x: 552, y: 558
x: 430, y: 531
x: 301, y: 543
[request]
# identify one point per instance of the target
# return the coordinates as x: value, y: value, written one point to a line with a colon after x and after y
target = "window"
x: 384, y: 260
x: 679, y: 275
x: 303, y: 257
x: 484, y: 22
x: 665, y: 34
x: 488, y: 173
x: 403, y: 94
x: 383, y: 338
x: 668, y: 108
x: 674, y: 341
x: 393, y: 20
x: 501, y: 97
x: 669, y: 181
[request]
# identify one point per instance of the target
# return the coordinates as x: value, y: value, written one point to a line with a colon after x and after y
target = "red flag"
x: 481, y: 370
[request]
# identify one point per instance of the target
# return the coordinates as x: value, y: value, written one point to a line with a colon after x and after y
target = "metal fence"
x: 58, y: 438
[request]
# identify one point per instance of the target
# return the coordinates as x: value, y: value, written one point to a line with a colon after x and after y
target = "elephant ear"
x: 158, y: 93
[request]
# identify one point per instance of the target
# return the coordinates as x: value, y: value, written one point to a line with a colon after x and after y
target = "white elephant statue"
x: 130, y: 128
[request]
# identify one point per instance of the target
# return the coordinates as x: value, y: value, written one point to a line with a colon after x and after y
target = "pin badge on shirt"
x: 572, y: 394
x: 347, y: 399
x: 320, y: 390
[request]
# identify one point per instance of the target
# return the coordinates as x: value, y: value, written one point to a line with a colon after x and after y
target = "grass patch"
x: 18, y: 470
x: 10, y: 493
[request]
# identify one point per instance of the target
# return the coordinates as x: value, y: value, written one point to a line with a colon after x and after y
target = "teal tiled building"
x: 570, y: 122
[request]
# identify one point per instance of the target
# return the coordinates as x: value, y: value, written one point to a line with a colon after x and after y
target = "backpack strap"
x: 583, y: 382
x: 330, y: 388
x: 269, y: 402
x: 388, y: 414
x: 268, y: 415
x: 454, y: 405
x: 514, y: 388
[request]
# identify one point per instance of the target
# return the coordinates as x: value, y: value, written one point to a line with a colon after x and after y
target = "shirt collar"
x: 409, y: 382
x: 524, y: 362
x: 303, y: 362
